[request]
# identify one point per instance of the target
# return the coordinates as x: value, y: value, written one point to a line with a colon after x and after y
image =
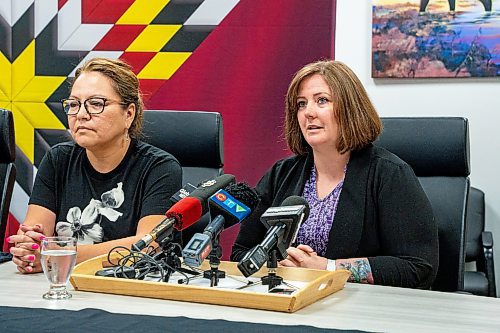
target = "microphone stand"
x: 170, y: 261
x: 271, y: 279
x: 214, y: 274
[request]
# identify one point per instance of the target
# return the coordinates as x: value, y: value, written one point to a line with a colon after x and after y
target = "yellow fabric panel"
x: 25, y: 138
x: 40, y: 88
x: 142, y: 11
x: 5, y: 78
x: 39, y: 115
x: 163, y: 65
x: 23, y: 69
x: 153, y: 38
x: 5, y: 105
x: 3, y: 96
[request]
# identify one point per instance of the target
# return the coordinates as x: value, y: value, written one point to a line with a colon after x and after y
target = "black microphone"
x: 283, y: 224
x: 227, y: 208
x: 182, y: 193
x: 185, y: 212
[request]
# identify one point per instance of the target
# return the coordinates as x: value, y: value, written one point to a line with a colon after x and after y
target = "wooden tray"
x: 318, y: 284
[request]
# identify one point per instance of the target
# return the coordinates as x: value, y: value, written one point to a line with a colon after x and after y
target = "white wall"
x: 476, y: 99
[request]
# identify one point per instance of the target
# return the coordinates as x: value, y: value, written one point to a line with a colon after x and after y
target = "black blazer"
x: 383, y: 214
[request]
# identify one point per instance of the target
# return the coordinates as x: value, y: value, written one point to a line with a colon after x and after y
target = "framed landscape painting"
x: 435, y: 38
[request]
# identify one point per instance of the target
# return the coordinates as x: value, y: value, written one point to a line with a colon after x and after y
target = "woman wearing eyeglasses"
x: 106, y: 188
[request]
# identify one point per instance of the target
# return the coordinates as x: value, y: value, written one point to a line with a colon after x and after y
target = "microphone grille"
x: 295, y: 200
x: 244, y: 193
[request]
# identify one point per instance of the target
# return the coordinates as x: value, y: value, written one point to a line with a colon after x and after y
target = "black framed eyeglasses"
x: 93, y: 105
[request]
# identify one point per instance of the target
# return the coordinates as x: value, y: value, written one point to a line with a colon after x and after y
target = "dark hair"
x: 126, y: 84
x: 359, y: 123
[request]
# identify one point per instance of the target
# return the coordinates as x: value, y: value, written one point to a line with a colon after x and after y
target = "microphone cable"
x: 131, y: 264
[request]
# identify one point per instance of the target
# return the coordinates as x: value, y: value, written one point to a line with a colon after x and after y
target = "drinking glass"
x: 58, y: 259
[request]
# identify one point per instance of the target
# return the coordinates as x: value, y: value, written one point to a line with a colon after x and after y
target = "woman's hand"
x: 26, y: 250
x: 304, y: 256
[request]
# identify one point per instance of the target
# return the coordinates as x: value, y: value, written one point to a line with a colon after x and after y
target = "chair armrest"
x: 487, y: 242
x: 487, y: 239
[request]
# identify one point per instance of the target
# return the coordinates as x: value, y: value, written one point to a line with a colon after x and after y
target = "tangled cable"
x: 155, y: 263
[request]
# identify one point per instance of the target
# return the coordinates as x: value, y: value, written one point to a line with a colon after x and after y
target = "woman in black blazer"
x: 368, y: 212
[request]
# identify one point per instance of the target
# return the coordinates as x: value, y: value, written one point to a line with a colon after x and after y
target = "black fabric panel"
x: 54, y: 101
x: 44, y: 139
x: 5, y: 39
x: 57, y: 110
x: 23, y: 32
x: 188, y: 38
x: 177, y: 12
x: 49, y: 61
x: 14, y: 319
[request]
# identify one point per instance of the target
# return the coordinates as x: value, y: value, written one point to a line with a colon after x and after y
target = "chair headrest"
x: 195, y: 138
x: 432, y: 146
x: 7, y: 139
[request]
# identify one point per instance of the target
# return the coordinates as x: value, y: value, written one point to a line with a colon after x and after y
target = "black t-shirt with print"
x: 97, y: 207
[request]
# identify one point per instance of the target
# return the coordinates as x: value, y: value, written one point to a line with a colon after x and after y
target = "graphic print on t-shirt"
x: 85, y: 226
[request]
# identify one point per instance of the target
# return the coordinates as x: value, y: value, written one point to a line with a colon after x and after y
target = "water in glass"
x: 58, y: 259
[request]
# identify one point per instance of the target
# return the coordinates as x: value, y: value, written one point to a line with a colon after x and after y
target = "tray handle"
x: 319, y: 288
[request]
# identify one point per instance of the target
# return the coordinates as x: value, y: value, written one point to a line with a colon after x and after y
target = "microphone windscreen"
x: 295, y: 200
x: 244, y: 193
x: 186, y: 212
x: 234, y: 203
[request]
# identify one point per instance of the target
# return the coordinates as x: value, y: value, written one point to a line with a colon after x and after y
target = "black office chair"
x: 7, y: 167
x: 438, y: 151
x: 479, y: 248
x: 195, y: 138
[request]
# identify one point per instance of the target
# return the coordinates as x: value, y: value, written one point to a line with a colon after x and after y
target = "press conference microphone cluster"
x: 187, y: 211
x: 228, y: 207
x: 282, y: 224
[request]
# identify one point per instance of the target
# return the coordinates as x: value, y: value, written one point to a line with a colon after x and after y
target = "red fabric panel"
x: 149, y: 87
x: 104, y: 11
x: 137, y: 59
x: 119, y: 37
x: 61, y: 3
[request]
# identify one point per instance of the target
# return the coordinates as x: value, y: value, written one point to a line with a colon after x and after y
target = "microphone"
x: 282, y: 224
x: 186, y: 211
x: 227, y: 208
x: 182, y: 193
x: 234, y: 203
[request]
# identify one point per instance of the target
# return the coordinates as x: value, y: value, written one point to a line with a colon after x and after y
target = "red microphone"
x: 180, y: 216
x: 185, y: 212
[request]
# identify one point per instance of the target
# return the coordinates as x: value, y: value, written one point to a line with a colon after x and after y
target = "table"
x: 356, y: 307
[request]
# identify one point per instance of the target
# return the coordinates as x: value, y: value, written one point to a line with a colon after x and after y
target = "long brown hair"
x: 359, y: 123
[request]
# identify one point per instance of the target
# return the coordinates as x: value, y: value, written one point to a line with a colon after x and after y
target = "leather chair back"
x: 437, y: 148
x: 195, y: 138
x: 7, y: 167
